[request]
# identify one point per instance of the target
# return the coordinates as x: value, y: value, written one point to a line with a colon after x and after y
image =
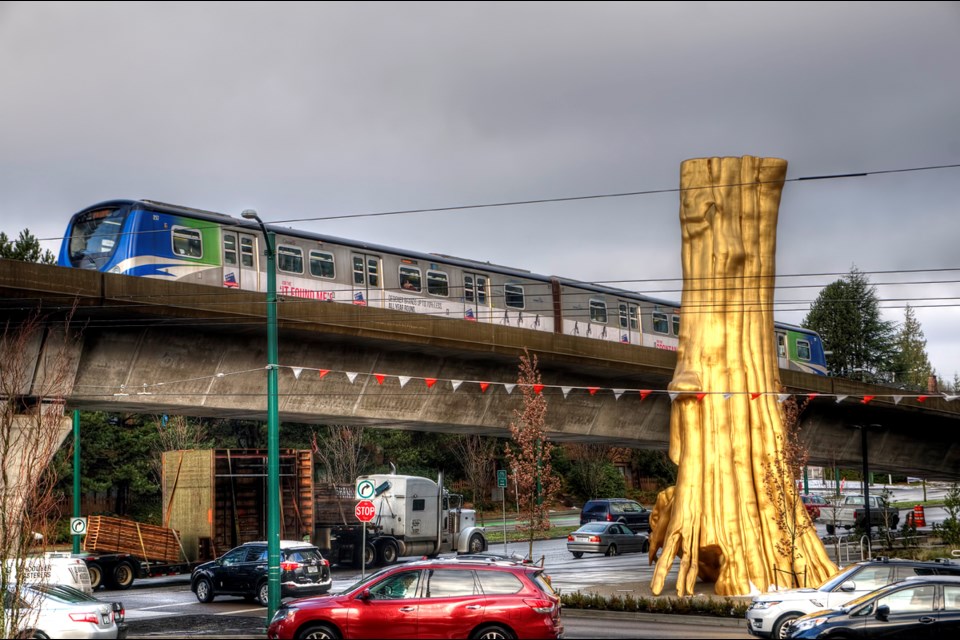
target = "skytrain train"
x: 157, y: 240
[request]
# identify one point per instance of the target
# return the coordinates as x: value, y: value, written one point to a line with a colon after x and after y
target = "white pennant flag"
x: 296, y: 372
x: 950, y: 398
x: 841, y: 399
x: 565, y: 390
x: 673, y: 395
x: 509, y: 388
x: 617, y: 393
x: 403, y: 380
x: 782, y: 397
x: 727, y: 396
x: 456, y: 384
x: 896, y: 401
x: 352, y: 376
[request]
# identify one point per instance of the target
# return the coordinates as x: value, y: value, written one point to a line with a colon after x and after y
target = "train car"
x: 157, y: 240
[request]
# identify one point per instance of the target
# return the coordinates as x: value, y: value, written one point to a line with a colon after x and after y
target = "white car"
x: 58, y: 611
x: 771, y: 614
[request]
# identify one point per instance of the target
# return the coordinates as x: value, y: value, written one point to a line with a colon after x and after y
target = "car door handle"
x: 927, y: 619
x: 474, y: 607
x: 408, y: 609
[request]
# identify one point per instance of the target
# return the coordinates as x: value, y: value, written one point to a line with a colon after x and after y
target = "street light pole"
x: 273, y: 423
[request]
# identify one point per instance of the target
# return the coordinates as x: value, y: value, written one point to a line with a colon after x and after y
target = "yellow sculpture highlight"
x: 719, y: 518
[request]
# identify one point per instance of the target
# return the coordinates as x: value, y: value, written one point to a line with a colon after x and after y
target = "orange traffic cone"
x: 918, y: 516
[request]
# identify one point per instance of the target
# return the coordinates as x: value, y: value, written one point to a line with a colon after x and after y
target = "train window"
x: 469, y: 293
x: 781, y: 345
x: 634, y: 317
x: 803, y: 349
x: 373, y: 272
x: 358, y: 271
x: 676, y: 325
x: 513, y: 296
x: 475, y: 288
x: 623, y: 316
x: 438, y: 283
x: 598, y: 311
x: 660, y: 322
x: 187, y: 242
x: 246, y: 252
x: 410, y: 278
x: 290, y: 259
x: 229, y: 250
x: 321, y: 264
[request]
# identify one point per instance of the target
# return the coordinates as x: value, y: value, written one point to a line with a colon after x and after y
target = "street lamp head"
x: 250, y: 214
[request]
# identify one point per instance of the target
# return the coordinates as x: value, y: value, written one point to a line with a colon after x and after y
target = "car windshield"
x: 63, y: 593
x: 838, y: 578
x: 593, y: 527
x: 366, y: 581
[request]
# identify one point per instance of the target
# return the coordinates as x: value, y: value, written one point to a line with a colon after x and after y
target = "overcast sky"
x: 308, y: 110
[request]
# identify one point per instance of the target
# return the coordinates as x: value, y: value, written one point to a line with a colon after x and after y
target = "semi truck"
x: 415, y: 516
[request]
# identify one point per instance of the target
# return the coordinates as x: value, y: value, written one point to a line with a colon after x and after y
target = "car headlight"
x: 765, y: 604
x: 803, y: 625
x: 283, y: 613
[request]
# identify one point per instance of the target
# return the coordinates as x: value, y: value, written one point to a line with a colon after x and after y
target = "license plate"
x: 312, y: 569
x: 583, y: 539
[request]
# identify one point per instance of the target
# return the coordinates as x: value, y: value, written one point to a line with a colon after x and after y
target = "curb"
x: 672, y: 618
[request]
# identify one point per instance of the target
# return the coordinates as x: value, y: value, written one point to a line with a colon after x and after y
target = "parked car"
x: 918, y: 607
x: 631, y: 513
x: 243, y: 572
x: 61, y: 611
x: 431, y: 599
x: 770, y: 614
x: 609, y: 538
x: 52, y: 567
x: 813, y: 504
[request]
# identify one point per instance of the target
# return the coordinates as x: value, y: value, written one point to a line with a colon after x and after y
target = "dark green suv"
x: 628, y: 512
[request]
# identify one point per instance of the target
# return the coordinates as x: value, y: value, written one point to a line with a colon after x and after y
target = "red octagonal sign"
x: 365, y: 511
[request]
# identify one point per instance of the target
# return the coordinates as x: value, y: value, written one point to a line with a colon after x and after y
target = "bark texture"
x: 718, y: 519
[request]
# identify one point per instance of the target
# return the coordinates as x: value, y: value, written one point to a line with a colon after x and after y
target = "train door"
x: 783, y: 351
x: 240, y: 270
x: 476, y: 297
x: 367, y: 280
x: 629, y: 323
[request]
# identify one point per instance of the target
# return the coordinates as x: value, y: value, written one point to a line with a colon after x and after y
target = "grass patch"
x: 716, y: 607
x: 495, y: 536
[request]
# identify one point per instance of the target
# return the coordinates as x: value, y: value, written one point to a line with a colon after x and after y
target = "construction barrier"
x: 918, y: 517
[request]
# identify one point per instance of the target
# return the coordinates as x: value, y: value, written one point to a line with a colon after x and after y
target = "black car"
x: 918, y: 607
x: 628, y: 512
x: 243, y: 572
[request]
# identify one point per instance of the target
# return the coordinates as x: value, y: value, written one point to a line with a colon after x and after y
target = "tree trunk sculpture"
x: 719, y: 519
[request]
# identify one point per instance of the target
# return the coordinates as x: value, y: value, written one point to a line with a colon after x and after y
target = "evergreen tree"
x: 911, y: 365
x: 25, y: 248
x: 846, y: 314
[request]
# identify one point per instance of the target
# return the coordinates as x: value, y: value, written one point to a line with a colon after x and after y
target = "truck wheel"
x: 124, y: 575
x: 204, y: 590
x: 476, y: 544
x: 388, y: 553
x: 369, y: 555
x: 96, y: 575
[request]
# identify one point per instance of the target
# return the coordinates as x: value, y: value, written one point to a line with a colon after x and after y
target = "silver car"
x: 59, y: 611
x: 610, y: 538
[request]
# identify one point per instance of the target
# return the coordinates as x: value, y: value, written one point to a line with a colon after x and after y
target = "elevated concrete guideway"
x: 136, y: 331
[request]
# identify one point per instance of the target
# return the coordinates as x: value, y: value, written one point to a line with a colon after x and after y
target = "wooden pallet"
x: 147, y: 541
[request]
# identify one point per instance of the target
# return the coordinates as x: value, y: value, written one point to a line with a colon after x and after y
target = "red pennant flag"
x: 812, y: 395
x: 483, y: 387
x: 700, y: 396
x: 324, y: 372
x: 754, y: 395
x: 593, y: 390
x: 644, y: 393
x: 867, y: 399
x: 538, y: 389
x: 380, y: 377
x: 430, y: 382
x: 921, y: 398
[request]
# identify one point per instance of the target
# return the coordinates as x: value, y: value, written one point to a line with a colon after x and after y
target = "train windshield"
x: 95, y: 235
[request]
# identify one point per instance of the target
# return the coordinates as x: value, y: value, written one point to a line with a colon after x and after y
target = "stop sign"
x: 365, y: 511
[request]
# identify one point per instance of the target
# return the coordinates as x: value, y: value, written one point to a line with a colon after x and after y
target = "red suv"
x: 452, y: 598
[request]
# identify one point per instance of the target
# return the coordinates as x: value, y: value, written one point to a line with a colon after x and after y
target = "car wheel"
x: 831, y: 529
x: 204, y: 590
x: 96, y: 575
x: 646, y: 546
x: 319, y: 632
x: 263, y: 594
x: 577, y: 554
x: 493, y: 632
x: 612, y: 550
x: 780, y: 627
x: 123, y: 575
x: 476, y: 544
x: 388, y: 553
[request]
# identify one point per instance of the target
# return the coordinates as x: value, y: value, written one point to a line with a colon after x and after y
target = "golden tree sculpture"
x: 718, y: 518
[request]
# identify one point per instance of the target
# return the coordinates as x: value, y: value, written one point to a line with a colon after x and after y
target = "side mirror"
x: 849, y: 585
x: 883, y: 612
x: 365, y: 594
